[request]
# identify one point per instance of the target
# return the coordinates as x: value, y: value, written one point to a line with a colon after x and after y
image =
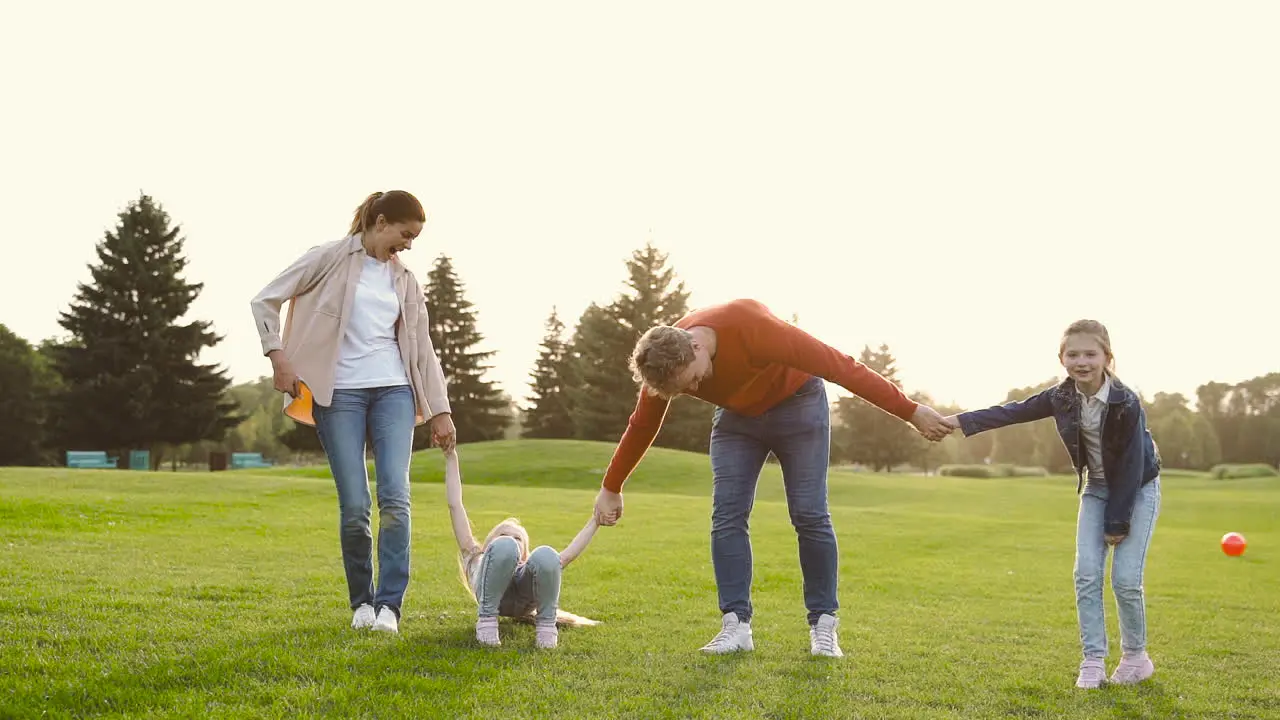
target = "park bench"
x: 248, y: 460
x: 89, y: 459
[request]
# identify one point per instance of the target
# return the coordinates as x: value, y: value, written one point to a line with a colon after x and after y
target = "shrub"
x: 991, y: 471
x: 1182, y: 473
x: 1238, y: 472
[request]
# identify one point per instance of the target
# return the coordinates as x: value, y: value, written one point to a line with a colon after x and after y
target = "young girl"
x: 1104, y: 428
x: 505, y: 577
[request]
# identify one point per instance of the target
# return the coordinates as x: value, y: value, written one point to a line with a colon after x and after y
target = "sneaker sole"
x: 1135, y: 681
x: 742, y: 647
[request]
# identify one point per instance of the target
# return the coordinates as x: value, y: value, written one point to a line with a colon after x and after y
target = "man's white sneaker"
x: 363, y: 617
x: 734, y: 636
x: 387, y: 621
x: 1092, y: 674
x: 487, y: 631
x: 822, y: 637
x: 1133, y: 669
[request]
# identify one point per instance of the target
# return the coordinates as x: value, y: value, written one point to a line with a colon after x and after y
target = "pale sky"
x: 958, y: 180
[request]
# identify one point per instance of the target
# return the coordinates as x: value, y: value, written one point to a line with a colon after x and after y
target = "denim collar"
x: 1066, y: 392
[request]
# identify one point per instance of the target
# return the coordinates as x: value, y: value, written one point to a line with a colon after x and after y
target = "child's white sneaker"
x: 1133, y: 669
x: 363, y: 617
x: 546, y: 635
x: 734, y: 636
x: 387, y: 621
x: 1092, y: 674
x: 822, y: 637
x: 487, y: 631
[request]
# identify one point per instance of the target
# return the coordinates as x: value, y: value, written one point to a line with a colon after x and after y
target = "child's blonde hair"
x: 511, y: 528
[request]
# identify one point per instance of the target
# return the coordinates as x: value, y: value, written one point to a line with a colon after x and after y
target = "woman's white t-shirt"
x: 369, y: 355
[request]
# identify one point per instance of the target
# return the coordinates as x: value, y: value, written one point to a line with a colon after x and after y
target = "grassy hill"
x: 221, y: 595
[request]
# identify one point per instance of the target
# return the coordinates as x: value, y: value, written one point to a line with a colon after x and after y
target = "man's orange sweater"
x: 760, y: 361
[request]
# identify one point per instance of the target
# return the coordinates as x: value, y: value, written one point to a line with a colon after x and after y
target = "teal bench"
x: 248, y: 460
x: 90, y: 459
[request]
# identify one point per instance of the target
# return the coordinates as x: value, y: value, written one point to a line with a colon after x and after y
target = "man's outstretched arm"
x: 642, y: 428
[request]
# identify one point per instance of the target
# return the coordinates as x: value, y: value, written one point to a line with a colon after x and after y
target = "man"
x: 765, y: 377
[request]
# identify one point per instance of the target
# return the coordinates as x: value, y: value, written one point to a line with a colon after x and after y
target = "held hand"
x: 608, y: 507
x: 443, y: 433
x: 930, y: 424
x: 952, y: 421
x: 285, y: 380
x: 1115, y: 539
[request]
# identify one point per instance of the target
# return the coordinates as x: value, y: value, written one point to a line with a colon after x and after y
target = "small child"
x: 505, y: 577
x: 1104, y: 428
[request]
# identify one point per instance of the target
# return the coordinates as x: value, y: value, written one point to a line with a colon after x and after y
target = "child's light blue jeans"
x: 1127, y: 565
x: 507, y: 587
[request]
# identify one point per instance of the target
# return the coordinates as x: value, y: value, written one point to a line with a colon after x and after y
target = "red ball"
x: 1233, y: 544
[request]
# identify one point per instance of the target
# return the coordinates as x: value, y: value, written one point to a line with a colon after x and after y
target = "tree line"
x: 126, y: 375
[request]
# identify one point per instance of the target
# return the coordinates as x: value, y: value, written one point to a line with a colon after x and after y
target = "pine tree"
x: 548, y: 414
x: 478, y: 407
x: 604, y: 393
x: 657, y: 299
x: 868, y: 435
x: 132, y: 376
x: 652, y: 299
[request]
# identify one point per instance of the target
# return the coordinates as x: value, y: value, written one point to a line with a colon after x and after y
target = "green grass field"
x: 221, y: 595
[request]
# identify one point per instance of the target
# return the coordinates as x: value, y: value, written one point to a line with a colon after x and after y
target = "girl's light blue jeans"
x: 1128, y: 562
x: 507, y: 587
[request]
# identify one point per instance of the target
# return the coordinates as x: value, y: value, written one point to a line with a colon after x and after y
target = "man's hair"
x: 659, y: 356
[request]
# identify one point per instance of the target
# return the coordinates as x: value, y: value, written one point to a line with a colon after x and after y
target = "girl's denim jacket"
x: 1129, y: 455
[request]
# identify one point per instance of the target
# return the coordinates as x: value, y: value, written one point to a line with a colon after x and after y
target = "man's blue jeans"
x: 798, y: 432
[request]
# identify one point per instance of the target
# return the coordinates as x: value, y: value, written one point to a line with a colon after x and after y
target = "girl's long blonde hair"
x: 512, y: 528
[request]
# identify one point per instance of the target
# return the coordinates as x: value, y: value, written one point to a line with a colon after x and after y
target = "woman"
x: 356, y: 361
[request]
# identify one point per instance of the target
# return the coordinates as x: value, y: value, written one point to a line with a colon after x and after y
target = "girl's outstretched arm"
x: 580, y: 542
x: 1036, y: 407
x: 457, y: 513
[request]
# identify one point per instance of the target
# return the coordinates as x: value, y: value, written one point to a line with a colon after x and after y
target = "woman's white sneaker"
x: 734, y: 636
